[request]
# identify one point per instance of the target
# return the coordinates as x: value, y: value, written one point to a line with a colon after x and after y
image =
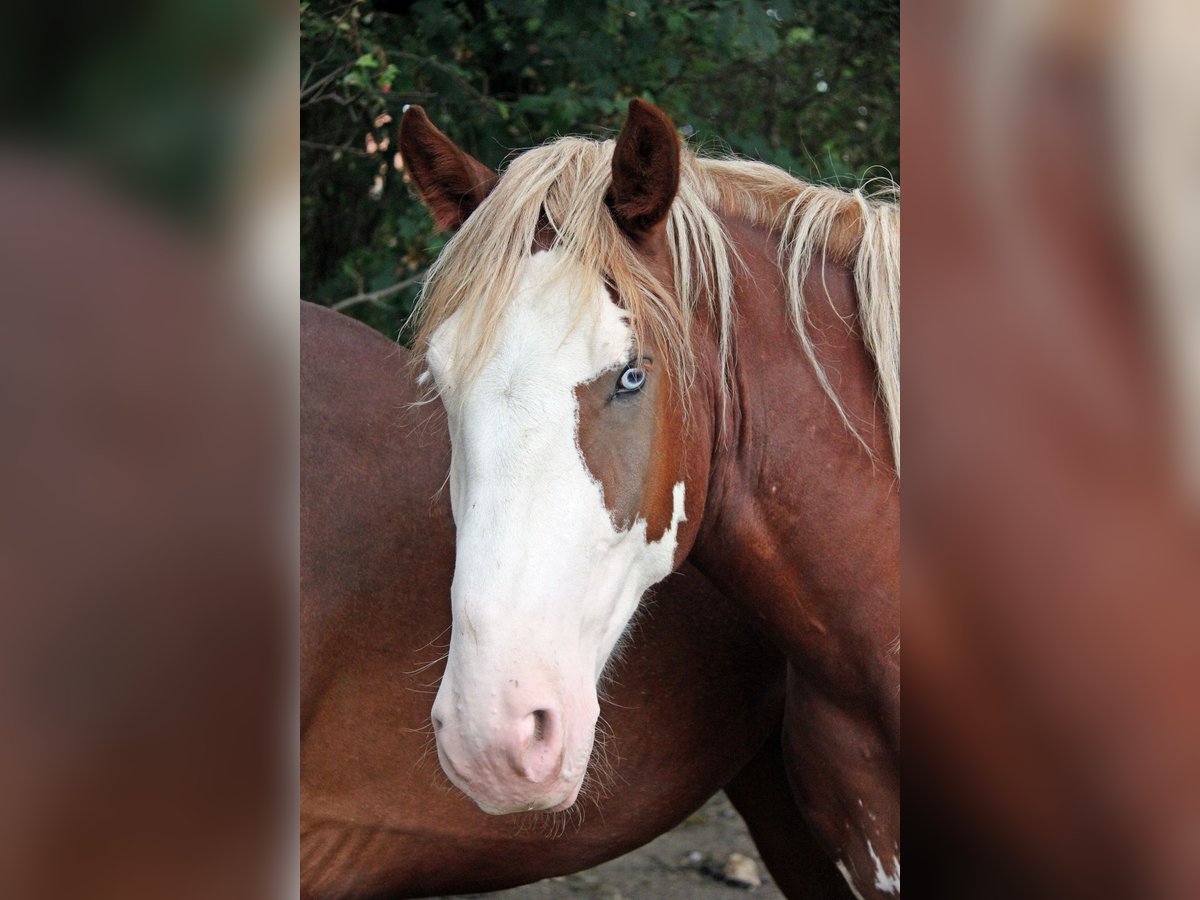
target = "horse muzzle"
x: 519, y: 765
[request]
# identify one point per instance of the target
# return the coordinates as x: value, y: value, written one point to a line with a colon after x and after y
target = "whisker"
x: 433, y: 662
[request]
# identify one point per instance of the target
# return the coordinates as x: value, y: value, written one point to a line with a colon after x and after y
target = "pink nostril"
x: 539, y: 727
x: 535, y: 753
x: 437, y: 724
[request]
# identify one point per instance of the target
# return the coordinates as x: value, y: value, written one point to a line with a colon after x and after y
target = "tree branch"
x: 333, y: 148
x: 379, y: 295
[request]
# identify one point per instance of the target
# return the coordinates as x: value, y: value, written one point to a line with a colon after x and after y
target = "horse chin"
x: 547, y: 805
x: 551, y: 803
x: 569, y: 801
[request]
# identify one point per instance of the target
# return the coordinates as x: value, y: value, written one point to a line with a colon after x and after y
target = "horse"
x: 693, y: 705
x: 647, y: 357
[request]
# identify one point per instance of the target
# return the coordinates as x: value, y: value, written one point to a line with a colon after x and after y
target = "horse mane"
x: 565, y: 183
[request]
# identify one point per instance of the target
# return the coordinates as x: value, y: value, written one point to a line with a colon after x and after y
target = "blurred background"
x: 1051, y: 549
x: 809, y: 86
x: 149, y: 222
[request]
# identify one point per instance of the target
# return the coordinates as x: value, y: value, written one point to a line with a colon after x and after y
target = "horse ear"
x: 451, y: 182
x: 645, y: 169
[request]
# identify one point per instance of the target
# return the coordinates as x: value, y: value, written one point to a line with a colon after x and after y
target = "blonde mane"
x: 567, y: 181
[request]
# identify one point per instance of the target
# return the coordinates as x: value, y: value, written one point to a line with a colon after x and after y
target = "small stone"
x: 742, y: 871
x: 695, y: 857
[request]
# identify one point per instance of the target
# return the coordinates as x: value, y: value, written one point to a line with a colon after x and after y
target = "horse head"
x: 571, y: 490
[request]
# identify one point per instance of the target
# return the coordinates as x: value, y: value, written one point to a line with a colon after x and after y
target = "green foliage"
x: 148, y: 94
x: 810, y: 86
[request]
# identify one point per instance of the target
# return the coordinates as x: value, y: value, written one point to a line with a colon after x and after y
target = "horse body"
x: 694, y: 704
x: 677, y: 371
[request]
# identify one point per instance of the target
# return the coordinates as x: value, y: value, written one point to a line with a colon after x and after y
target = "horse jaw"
x: 545, y: 581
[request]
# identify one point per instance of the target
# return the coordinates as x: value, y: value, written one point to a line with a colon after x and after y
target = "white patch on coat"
x: 889, y: 884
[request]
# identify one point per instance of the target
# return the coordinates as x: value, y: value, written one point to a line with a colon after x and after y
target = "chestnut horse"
x: 694, y: 704
x: 647, y: 357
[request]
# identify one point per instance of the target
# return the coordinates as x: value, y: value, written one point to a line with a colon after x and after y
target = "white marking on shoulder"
x: 889, y: 884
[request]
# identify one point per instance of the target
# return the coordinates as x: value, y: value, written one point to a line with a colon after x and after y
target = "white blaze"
x: 544, y: 582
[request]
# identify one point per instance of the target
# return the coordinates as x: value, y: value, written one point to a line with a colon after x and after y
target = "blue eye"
x: 631, y: 380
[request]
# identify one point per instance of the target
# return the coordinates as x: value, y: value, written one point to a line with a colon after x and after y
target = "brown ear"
x: 451, y: 182
x: 645, y: 169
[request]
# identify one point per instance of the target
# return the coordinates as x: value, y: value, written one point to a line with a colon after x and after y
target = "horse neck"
x: 800, y: 520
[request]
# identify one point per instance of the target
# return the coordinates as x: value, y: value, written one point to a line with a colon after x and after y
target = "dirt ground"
x: 684, y: 864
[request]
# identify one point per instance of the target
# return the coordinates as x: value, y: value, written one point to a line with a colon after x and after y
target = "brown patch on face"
x: 630, y: 445
x: 614, y: 442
